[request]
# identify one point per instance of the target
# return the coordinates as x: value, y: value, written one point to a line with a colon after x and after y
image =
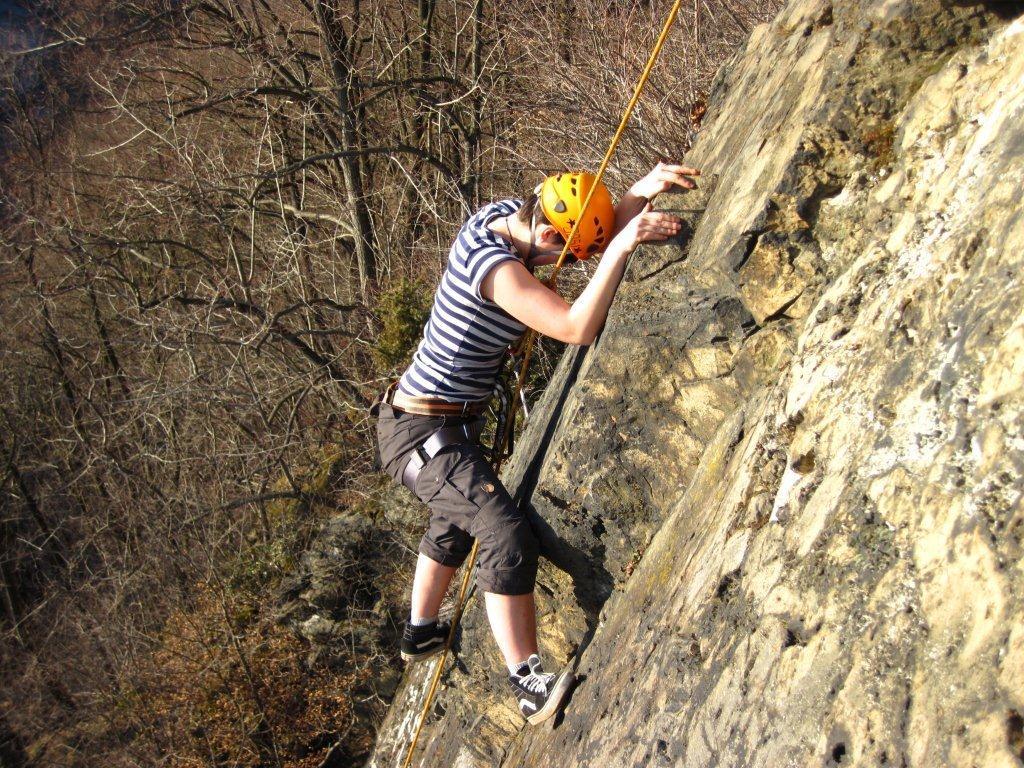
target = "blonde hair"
x: 531, y: 207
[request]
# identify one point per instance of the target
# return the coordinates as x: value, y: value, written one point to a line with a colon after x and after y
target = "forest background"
x: 221, y: 225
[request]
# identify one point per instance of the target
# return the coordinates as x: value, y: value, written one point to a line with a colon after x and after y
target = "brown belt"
x: 428, y: 406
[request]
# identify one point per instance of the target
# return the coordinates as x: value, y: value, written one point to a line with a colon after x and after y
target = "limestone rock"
x: 780, y: 498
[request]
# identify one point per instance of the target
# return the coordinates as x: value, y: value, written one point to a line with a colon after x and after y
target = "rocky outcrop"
x: 344, y: 599
x: 781, y: 496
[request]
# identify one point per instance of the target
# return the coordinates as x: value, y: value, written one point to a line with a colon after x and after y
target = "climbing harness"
x: 503, y: 438
x: 428, y: 406
x: 445, y: 437
x: 504, y: 392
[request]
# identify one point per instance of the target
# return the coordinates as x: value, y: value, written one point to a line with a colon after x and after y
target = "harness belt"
x: 428, y: 406
x: 445, y: 437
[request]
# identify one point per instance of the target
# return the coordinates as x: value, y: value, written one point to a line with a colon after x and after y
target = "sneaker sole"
x: 423, y: 655
x: 554, y: 702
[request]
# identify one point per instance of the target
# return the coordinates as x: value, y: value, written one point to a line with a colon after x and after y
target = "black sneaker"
x: 539, y: 695
x: 422, y: 642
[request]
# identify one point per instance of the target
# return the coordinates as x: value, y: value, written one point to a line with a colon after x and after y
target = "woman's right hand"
x: 647, y: 226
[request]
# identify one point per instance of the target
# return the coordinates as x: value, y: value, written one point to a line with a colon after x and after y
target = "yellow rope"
x: 527, y: 353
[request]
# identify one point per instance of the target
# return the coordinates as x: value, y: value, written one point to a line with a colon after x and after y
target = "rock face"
x: 781, y: 497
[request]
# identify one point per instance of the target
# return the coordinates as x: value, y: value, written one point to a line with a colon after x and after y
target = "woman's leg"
x: 513, y: 618
x: 467, y: 499
x: 429, y: 586
x: 513, y: 621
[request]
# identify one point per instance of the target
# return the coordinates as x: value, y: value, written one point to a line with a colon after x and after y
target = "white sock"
x: 517, y: 669
x: 422, y: 621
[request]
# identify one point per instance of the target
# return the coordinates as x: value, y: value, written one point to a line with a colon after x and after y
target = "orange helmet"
x: 561, y: 199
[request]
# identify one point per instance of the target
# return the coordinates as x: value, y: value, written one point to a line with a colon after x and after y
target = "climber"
x: 429, y: 420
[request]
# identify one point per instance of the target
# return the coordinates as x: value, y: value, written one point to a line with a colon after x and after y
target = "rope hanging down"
x: 528, y: 345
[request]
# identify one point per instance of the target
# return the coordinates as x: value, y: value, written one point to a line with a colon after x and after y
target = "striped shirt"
x: 466, y: 336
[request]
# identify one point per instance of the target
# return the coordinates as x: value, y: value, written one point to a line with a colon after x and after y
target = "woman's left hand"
x: 647, y: 226
x: 662, y: 178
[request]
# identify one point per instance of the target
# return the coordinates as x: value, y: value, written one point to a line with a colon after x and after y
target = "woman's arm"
x: 511, y: 286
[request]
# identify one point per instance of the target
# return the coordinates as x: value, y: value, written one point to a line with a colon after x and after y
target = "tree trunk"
x: 471, y: 162
x: 339, y: 44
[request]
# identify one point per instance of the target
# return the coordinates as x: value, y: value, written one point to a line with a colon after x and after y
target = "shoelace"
x: 427, y: 630
x: 536, y: 682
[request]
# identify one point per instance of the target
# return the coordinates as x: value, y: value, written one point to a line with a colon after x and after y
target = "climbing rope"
x: 502, y: 440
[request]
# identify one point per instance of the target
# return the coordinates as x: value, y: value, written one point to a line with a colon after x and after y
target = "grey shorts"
x: 466, y: 500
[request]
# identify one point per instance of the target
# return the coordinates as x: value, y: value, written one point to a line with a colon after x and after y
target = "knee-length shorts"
x: 466, y: 501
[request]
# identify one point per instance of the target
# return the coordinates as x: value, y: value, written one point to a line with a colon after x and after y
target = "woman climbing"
x: 429, y: 420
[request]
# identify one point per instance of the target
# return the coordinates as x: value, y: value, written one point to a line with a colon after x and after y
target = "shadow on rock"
x: 592, y: 582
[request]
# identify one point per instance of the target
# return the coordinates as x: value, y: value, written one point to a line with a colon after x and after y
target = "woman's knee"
x: 445, y: 543
x: 509, y: 550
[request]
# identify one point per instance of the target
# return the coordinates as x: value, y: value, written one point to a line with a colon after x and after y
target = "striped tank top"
x: 466, y: 335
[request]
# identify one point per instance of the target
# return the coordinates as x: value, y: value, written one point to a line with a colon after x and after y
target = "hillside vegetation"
x: 221, y: 225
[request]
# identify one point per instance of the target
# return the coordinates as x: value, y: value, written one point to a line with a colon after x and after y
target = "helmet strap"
x: 533, y: 226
